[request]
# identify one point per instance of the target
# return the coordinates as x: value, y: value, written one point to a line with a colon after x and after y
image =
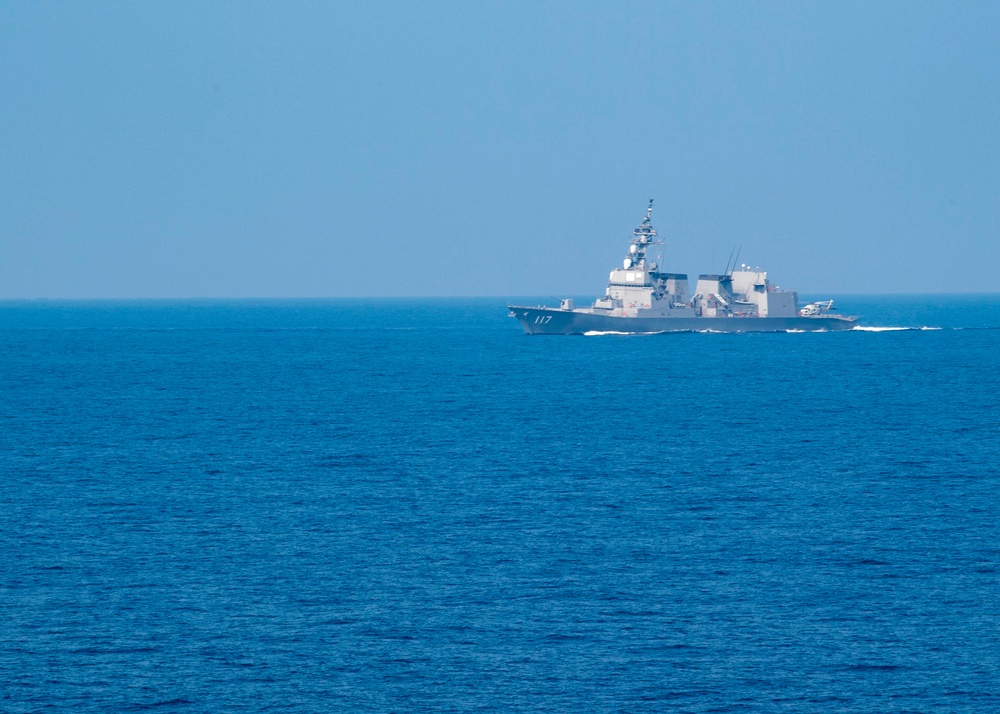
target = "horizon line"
x: 434, y: 297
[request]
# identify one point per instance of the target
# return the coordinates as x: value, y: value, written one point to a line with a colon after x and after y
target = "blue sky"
x: 398, y: 148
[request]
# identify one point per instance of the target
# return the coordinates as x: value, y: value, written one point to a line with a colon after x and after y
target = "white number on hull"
x: 543, y: 319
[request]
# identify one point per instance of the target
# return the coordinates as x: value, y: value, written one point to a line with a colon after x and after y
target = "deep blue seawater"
x: 411, y: 506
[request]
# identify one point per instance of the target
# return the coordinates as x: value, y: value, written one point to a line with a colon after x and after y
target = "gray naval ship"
x: 641, y: 299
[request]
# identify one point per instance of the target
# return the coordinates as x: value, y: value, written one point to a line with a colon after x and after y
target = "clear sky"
x: 300, y: 149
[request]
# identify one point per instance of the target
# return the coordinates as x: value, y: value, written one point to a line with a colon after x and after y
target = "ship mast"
x: 642, y: 237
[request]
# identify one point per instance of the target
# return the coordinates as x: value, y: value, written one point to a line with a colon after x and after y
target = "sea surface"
x: 411, y: 506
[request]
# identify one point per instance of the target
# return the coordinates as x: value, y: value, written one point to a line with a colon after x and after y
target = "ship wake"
x: 601, y: 333
x: 866, y: 328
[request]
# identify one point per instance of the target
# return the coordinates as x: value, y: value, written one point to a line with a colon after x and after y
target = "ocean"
x: 411, y: 506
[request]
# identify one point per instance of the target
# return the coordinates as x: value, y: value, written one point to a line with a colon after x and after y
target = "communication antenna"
x: 737, y: 256
x: 726, y: 271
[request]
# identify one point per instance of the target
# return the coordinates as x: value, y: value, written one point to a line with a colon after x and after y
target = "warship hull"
x: 641, y: 298
x: 555, y: 321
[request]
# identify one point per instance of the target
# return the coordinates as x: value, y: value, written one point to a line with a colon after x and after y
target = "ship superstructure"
x: 641, y: 298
